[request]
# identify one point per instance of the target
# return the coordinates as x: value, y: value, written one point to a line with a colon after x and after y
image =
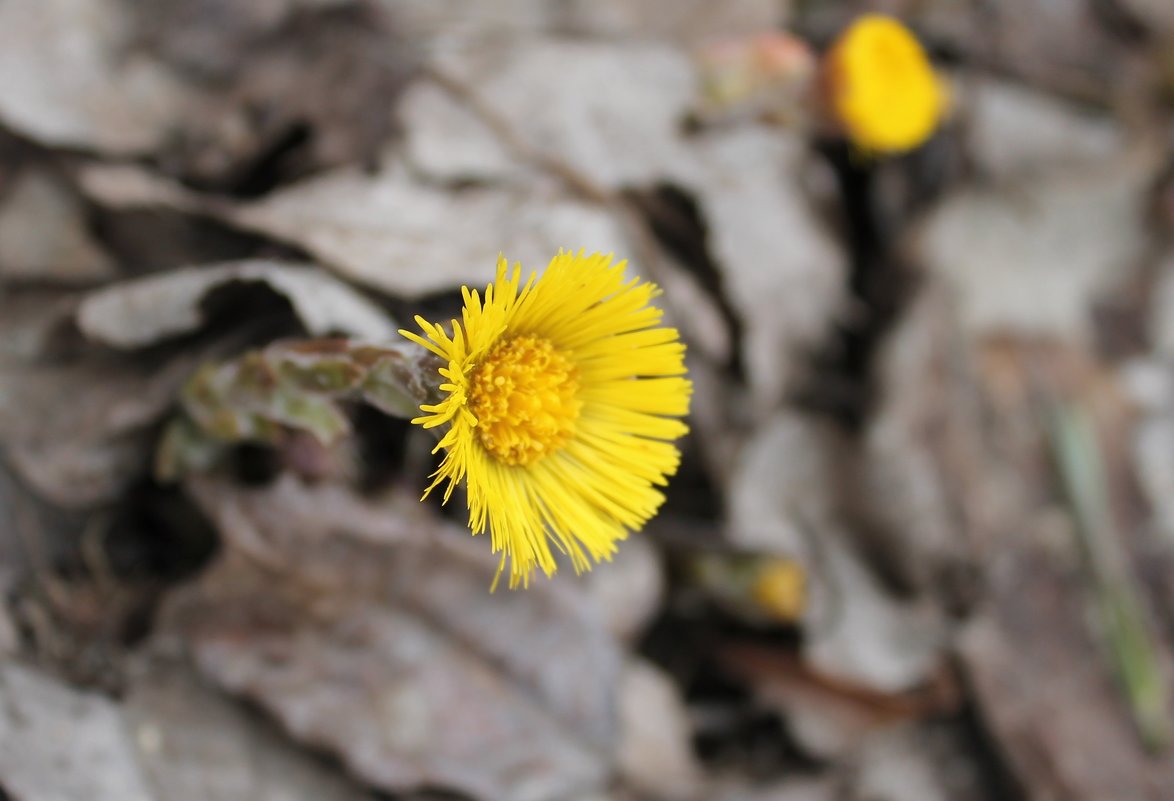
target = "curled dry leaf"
x: 1156, y: 15
x: 782, y: 485
x: 70, y: 77
x: 369, y: 631
x: 139, y: 313
x: 61, y: 744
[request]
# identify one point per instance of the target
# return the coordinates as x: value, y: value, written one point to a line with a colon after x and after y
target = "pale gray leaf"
x: 61, y: 744
x: 368, y: 630
x: 69, y: 77
x: 138, y: 313
x: 43, y: 236
x: 196, y: 744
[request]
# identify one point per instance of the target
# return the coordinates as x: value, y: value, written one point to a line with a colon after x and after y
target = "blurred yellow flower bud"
x: 880, y: 88
x: 780, y: 589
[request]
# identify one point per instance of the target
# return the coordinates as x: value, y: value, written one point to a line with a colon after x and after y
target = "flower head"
x: 882, y: 89
x: 562, y: 398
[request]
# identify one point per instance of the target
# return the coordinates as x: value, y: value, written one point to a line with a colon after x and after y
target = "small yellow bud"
x: 880, y: 87
x: 780, y: 589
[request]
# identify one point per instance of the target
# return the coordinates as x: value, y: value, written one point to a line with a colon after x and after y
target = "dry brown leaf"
x: 369, y: 630
x: 685, y: 21
x: 61, y: 744
x: 292, y: 86
x: 1015, y: 131
x: 610, y: 111
x: 811, y: 789
x: 630, y: 591
x: 1030, y: 258
x: 655, y: 755
x: 896, y: 766
x: 919, y: 484
x: 69, y: 77
x: 437, y: 21
x: 785, y: 498
x: 780, y: 268
x: 393, y: 233
x: 1157, y: 15
x: 829, y: 718
x: 448, y: 141
x: 195, y: 744
x: 143, y: 312
x: 858, y: 631
x: 1045, y: 691
x: 81, y: 453
x: 43, y: 236
x: 1041, y: 657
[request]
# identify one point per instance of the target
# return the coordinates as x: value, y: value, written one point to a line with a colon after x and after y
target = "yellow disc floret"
x: 882, y: 88
x: 524, y: 398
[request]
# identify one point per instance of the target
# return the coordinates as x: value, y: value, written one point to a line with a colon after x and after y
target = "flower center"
x: 524, y: 396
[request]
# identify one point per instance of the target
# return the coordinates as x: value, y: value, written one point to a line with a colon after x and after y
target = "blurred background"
x: 921, y: 544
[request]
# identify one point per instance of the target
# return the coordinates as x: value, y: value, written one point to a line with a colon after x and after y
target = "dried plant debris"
x: 269, y: 396
x: 365, y: 631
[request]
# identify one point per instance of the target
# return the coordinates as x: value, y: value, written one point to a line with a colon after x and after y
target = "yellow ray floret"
x: 882, y: 88
x: 562, y: 397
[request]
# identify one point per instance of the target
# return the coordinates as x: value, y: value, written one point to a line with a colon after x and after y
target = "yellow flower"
x: 562, y: 398
x: 881, y: 86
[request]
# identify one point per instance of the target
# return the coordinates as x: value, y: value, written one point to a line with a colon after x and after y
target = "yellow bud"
x: 880, y: 88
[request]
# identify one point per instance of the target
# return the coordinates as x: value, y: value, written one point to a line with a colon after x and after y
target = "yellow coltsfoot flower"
x: 881, y: 88
x: 562, y: 399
